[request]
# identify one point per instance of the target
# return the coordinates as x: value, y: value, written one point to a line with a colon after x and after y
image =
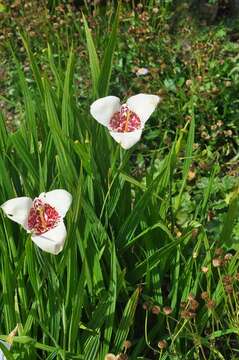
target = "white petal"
x: 18, y: 209
x: 7, y: 345
x: 59, y: 199
x: 104, y: 108
x: 126, y: 139
x: 143, y: 105
x: 53, y: 240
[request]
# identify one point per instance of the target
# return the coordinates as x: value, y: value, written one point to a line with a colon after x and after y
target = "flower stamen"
x: 124, y: 120
x: 42, y: 217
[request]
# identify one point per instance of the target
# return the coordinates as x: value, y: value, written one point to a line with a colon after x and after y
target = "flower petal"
x: 104, y: 108
x: 126, y: 139
x: 7, y: 345
x: 53, y: 240
x: 60, y: 199
x: 143, y: 105
x: 18, y: 209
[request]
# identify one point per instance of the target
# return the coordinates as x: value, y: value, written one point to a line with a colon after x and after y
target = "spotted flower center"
x: 42, y: 217
x: 124, y: 120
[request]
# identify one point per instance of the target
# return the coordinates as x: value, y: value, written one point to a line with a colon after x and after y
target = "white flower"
x: 42, y: 217
x: 142, y: 71
x: 124, y: 122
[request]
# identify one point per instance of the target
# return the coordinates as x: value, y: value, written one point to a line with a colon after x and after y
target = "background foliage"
x: 152, y: 248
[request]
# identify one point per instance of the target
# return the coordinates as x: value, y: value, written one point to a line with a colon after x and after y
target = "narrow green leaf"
x: 93, y: 57
x: 126, y: 321
x: 230, y: 218
x: 106, y: 65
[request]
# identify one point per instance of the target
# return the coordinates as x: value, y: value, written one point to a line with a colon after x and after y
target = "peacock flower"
x: 125, y: 122
x: 42, y: 217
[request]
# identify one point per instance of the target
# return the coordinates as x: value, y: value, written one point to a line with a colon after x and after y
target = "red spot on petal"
x: 42, y: 217
x: 124, y: 120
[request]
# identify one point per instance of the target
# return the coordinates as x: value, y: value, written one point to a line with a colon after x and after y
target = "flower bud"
x: 127, y: 344
x: 204, y: 269
x: 194, y: 304
x: 227, y: 279
x: 110, y: 357
x: 205, y: 295
x: 189, y: 82
x: 229, y: 289
x: 156, y: 309
x: 211, y: 304
x: 216, y: 262
x: 185, y: 314
x: 167, y: 310
x: 228, y: 257
x: 162, y: 344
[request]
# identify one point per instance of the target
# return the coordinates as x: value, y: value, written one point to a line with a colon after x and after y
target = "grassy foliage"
x: 152, y: 253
